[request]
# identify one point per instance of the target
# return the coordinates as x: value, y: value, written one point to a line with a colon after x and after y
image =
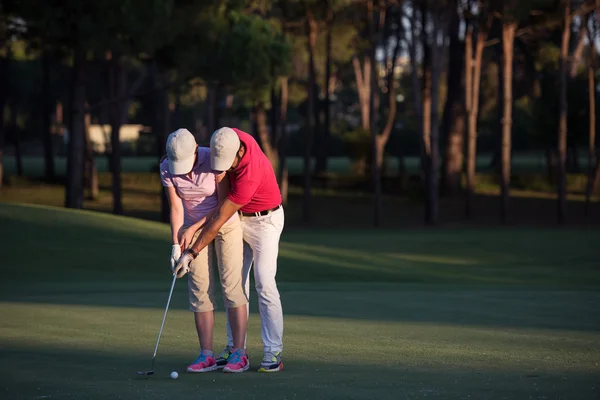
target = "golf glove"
x: 175, y: 254
x: 184, y: 264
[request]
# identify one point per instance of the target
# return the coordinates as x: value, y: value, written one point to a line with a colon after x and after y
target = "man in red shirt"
x: 255, y: 194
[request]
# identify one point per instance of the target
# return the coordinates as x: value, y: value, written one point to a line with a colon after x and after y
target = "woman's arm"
x: 176, y: 214
x: 222, y: 192
x: 223, y: 187
x: 186, y: 239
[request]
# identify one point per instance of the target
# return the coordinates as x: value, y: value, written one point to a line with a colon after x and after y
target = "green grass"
x: 347, y: 206
x: 416, y: 314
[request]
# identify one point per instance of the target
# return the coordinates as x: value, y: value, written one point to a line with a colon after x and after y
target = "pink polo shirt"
x: 197, y: 190
x: 253, y: 182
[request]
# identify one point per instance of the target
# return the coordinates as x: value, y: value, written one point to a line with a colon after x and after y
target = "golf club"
x: 151, y: 370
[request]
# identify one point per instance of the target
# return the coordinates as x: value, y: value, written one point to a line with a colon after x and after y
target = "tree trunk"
x: 162, y: 116
x: 383, y: 138
x: 105, y: 117
x: 380, y: 140
x: 252, y: 119
x: 495, y: 163
x: 91, y: 173
x: 327, y: 104
x: 283, y: 168
x: 176, y: 115
x: 474, y: 113
x: 117, y: 85
x: 59, y: 118
x: 426, y: 116
x: 471, y: 140
x: 323, y: 150
x: 375, y: 166
x: 578, y: 52
x: 592, y: 125
x: 317, y: 136
x: 4, y: 77
x: 219, y: 95
x: 550, y: 164
x: 160, y: 128
x: 211, y: 108
x: 437, y: 55
x: 453, y: 125
x: 260, y: 115
x: 105, y: 122
x: 311, y: 43
x: 508, y: 38
x: 573, y: 165
x: 273, y: 119
x: 363, y: 86
x: 562, y: 125
x: 76, y: 145
x: 46, y: 104
x: 17, y: 138
x: 412, y: 49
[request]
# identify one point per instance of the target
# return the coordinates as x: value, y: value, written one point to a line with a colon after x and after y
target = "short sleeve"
x: 165, y: 175
x: 242, y: 192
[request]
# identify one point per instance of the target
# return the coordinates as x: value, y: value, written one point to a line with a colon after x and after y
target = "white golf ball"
x: 174, y: 375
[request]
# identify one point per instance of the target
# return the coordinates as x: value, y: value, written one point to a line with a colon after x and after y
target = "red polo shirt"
x: 253, y: 182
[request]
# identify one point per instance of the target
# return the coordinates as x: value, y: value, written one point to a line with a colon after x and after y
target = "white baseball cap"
x: 224, y: 145
x: 181, y: 149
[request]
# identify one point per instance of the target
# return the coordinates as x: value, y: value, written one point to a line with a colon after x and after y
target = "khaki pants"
x: 228, y: 246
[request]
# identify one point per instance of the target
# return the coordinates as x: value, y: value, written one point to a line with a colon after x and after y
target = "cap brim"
x: 182, y: 167
x: 221, y: 163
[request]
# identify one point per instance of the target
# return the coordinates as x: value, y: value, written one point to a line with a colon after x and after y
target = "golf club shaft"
x: 164, y: 318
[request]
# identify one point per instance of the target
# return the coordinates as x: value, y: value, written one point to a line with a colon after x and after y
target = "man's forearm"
x: 215, y: 221
x: 209, y: 221
x: 207, y: 235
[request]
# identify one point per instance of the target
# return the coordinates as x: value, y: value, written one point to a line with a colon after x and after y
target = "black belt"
x: 260, y: 213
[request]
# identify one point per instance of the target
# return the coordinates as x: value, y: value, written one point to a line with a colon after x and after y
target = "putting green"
x: 489, y: 314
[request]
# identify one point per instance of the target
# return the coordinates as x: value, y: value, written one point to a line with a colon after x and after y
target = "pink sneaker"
x: 237, y: 361
x: 204, y: 363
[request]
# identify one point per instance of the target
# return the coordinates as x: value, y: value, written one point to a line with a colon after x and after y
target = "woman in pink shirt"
x: 193, y: 191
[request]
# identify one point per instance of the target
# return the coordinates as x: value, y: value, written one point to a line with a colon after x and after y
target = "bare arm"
x: 222, y: 182
x: 224, y: 211
x: 176, y: 214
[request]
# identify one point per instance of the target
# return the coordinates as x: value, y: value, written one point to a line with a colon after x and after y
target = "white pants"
x: 261, y: 245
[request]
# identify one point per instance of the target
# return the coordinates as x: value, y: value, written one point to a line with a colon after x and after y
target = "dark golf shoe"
x: 223, y: 357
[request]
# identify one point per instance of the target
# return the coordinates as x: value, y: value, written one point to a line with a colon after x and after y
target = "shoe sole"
x: 279, y: 368
x: 207, y: 369
x: 236, y: 371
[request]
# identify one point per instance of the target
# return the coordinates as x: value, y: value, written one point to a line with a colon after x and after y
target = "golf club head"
x: 146, y: 373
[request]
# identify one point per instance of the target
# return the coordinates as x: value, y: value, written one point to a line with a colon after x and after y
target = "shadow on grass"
x: 440, y: 305
x: 64, y: 257
x: 39, y: 372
